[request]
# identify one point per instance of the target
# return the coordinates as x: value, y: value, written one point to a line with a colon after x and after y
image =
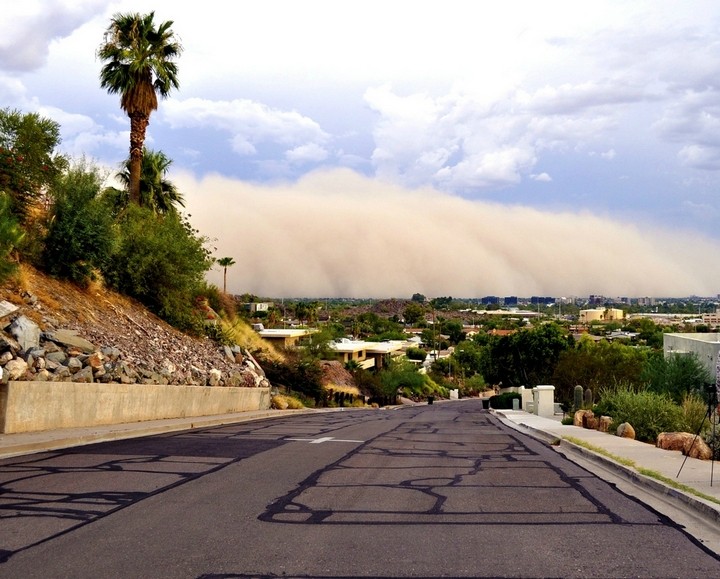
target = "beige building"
x: 366, y: 354
x: 601, y: 315
x: 283, y: 338
x: 712, y: 320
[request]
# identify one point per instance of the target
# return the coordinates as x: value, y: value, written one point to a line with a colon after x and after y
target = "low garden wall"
x: 35, y: 406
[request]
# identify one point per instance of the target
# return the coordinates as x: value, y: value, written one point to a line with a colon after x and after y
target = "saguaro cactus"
x: 578, y: 402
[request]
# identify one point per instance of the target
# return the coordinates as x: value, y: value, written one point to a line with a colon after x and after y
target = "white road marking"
x: 323, y: 439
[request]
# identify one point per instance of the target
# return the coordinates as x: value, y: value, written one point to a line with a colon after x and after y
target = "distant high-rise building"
x: 544, y: 300
x: 490, y: 300
x: 511, y: 300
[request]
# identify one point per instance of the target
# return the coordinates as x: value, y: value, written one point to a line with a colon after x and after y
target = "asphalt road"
x: 429, y: 491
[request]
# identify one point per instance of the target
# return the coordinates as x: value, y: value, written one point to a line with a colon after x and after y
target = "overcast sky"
x: 378, y: 149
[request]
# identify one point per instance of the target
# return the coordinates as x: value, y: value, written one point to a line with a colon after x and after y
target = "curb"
x: 707, y: 510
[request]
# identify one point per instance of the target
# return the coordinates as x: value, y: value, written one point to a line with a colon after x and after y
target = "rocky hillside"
x: 54, y: 331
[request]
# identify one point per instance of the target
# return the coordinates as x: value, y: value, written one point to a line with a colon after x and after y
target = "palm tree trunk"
x: 224, y: 280
x: 138, y: 127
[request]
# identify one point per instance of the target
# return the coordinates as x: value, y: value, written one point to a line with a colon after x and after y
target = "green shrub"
x: 296, y: 374
x: 402, y: 376
x: 473, y: 386
x: 677, y: 375
x: 80, y: 234
x: 649, y: 413
x: 694, y: 411
x: 416, y: 354
x: 504, y: 401
x: 10, y: 237
x: 160, y: 261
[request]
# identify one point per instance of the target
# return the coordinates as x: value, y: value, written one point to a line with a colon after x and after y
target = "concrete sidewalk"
x: 693, y: 473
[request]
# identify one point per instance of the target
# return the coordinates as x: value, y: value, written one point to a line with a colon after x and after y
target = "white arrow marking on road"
x: 323, y: 439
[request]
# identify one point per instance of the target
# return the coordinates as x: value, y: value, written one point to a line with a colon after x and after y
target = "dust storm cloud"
x: 336, y: 233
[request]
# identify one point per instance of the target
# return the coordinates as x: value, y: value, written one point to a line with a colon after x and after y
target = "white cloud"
x: 700, y: 157
x: 469, y: 140
x: 308, y: 153
x: 25, y: 36
x: 454, y: 247
x: 569, y: 99
x: 543, y: 177
x: 249, y: 124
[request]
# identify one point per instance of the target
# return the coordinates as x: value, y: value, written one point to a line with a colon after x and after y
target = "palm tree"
x: 225, y: 262
x: 139, y: 66
x: 156, y: 192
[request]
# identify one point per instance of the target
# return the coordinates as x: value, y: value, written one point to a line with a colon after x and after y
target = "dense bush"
x: 416, y: 354
x: 80, y: 232
x: 161, y: 261
x: 695, y: 410
x: 295, y: 373
x: 402, y: 376
x: 504, y: 401
x: 649, y: 413
x: 473, y: 386
x: 10, y: 236
x: 678, y: 375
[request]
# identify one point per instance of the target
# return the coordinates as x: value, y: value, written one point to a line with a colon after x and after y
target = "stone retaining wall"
x: 36, y: 406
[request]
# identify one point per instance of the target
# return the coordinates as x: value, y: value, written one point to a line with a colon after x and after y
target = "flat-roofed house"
x: 365, y: 354
x: 285, y: 338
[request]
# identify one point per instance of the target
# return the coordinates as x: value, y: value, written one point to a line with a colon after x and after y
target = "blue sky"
x: 386, y: 148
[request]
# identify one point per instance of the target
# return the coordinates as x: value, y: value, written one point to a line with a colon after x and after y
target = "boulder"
x: 687, y: 443
x: 16, y: 369
x: 84, y: 375
x: 26, y: 332
x: 581, y: 416
x: 214, y: 377
x: 70, y: 339
x: 625, y: 430
x: 74, y: 365
x: 95, y: 360
x: 6, y: 308
x: 604, y: 423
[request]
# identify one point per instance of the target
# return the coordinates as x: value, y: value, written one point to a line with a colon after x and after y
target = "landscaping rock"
x: 687, y: 443
x: 15, y: 369
x: 26, y: 332
x: 604, y: 423
x: 70, y: 339
x: 581, y: 416
x: 625, y: 430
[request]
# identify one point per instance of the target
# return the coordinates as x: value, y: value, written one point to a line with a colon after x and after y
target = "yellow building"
x: 601, y: 315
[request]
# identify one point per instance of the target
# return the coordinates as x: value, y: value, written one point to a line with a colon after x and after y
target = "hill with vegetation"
x: 150, y: 349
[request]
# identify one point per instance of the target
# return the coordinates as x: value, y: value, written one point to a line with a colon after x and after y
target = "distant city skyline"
x: 377, y: 149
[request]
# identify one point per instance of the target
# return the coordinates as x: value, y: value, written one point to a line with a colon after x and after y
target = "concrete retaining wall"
x: 34, y: 406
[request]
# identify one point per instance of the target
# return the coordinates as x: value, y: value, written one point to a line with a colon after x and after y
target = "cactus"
x: 588, y: 397
x: 578, y: 403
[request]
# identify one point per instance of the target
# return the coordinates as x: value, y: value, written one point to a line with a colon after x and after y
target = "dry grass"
x: 354, y: 390
x: 245, y: 337
x: 285, y: 402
